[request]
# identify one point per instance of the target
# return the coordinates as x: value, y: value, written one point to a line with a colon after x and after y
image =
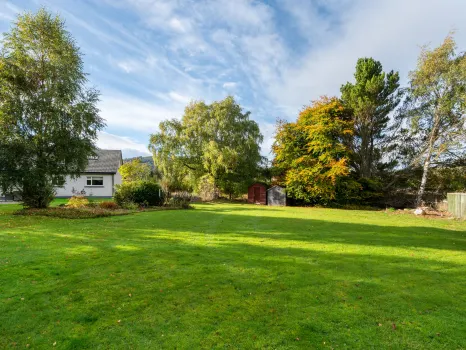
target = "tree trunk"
x: 424, y: 178
x: 425, y: 171
x: 364, y: 154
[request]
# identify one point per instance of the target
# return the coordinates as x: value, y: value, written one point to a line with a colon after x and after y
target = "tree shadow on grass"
x: 290, y: 230
x: 211, y: 277
x: 314, y: 230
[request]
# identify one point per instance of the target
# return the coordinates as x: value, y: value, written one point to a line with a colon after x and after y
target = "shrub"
x: 77, y: 202
x: 130, y: 206
x: 181, y: 200
x: 37, y: 195
x: 108, y: 205
x: 143, y: 193
x: 93, y: 204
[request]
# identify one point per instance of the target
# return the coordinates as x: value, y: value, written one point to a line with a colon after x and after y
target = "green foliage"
x: 218, y: 140
x: 371, y: 98
x: 447, y: 179
x: 36, y: 193
x: 135, y: 170
x: 146, y: 160
x: 182, y: 201
x: 48, y: 118
x: 206, y: 188
x: 78, y: 202
x: 144, y: 193
x: 130, y: 206
x: 363, y: 191
x: 313, y: 153
x: 435, y: 110
x: 173, y: 175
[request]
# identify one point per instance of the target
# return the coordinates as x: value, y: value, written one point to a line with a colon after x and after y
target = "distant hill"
x: 147, y: 160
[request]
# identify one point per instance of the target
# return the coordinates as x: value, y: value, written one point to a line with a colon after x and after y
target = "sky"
x: 149, y: 58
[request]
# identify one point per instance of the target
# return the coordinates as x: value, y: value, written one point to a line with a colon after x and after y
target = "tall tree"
x: 48, y: 118
x: 219, y: 140
x: 436, y: 107
x: 313, y: 153
x: 372, y: 97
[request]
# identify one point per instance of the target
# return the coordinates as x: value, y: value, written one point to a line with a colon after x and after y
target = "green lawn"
x: 233, y: 276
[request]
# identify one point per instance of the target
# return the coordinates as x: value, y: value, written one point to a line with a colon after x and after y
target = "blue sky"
x: 150, y: 58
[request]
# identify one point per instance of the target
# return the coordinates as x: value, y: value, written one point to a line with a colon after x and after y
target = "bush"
x: 179, y: 202
x: 77, y: 202
x: 143, y: 193
x: 37, y: 195
x: 130, y: 206
x: 92, y: 204
x: 108, y: 205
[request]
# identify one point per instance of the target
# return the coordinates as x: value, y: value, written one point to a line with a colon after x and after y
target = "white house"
x: 99, y: 178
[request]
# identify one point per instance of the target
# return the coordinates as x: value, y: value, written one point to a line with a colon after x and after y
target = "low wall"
x: 457, y: 204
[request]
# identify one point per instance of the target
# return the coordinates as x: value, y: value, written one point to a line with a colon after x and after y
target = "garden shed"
x: 276, y: 196
x: 257, y: 193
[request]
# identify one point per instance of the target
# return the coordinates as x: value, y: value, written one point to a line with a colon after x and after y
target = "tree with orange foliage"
x: 313, y: 153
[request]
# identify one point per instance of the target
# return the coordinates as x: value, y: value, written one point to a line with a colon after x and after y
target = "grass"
x: 233, y: 276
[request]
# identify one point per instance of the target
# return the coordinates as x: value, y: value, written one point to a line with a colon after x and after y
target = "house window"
x: 58, y: 182
x: 95, y: 181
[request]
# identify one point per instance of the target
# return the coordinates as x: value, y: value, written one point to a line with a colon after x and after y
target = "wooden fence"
x: 457, y: 204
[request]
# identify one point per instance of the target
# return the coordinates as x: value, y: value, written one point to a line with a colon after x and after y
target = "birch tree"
x: 436, y: 106
x: 48, y: 116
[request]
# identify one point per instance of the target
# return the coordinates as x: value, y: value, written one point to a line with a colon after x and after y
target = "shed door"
x: 257, y: 194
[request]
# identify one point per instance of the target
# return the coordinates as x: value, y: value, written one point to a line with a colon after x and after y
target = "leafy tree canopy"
x: 435, y: 108
x: 313, y: 153
x: 218, y: 139
x: 48, y: 118
x: 135, y: 170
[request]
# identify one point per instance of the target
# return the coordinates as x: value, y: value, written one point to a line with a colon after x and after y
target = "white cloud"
x: 8, y: 11
x: 131, y: 113
x: 268, y: 131
x: 178, y: 25
x: 13, y: 8
x: 281, y: 56
x: 230, y: 85
x: 368, y: 29
x: 129, y: 147
x: 240, y: 15
x: 179, y: 98
x: 130, y: 66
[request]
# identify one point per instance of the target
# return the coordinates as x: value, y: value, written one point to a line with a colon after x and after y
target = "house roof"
x: 106, y: 161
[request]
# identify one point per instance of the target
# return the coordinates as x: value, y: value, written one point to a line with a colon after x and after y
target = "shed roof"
x: 258, y: 183
x: 105, y: 161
